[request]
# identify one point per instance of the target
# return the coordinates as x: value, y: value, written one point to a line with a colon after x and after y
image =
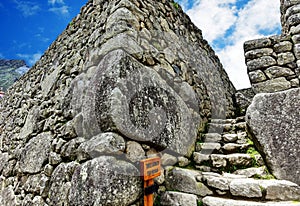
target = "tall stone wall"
x: 126, y: 79
x: 273, y: 63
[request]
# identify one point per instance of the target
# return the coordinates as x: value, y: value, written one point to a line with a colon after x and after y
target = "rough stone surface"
x: 252, y: 54
x: 261, y: 62
x: 105, y: 180
x: 218, y: 182
x: 258, y: 43
x: 122, y: 71
x: 243, y: 99
x: 219, y: 160
x: 134, y: 151
x: 285, y: 58
x: 245, y: 188
x: 274, y: 85
x: 60, y: 183
x: 257, y: 76
x: 35, y: 153
x: 199, y: 158
x: 278, y: 137
x: 129, y: 79
x: 184, y: 180
x: 104, y: 143
x: 168, y: 123
x: 284, y: 49
x: 168, y: 159
x: 212, y: 137
x: 217, y: 201
x: 280, y: 190
x: 178, y: 199
x: 230, y: 137
x: 276, y: 71
x: 251, y: 172
x: 283, y: 46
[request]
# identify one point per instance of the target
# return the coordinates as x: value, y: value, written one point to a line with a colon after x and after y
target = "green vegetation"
x: 250, y: 142
x: 264, y: 177
x: 268, y: 176
x: 157, y: 200
x: 199, y: 203
x: 295, y: 201
x: 176, y: 5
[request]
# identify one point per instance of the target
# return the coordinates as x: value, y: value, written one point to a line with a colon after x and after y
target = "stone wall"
x: 127, y: 79
x: 273, y: 63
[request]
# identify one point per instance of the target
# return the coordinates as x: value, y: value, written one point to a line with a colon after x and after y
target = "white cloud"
x: 42, y: 38
x: 254, y: 20
x: 56, y: 2
x: 31, y: 58
x: 214, y: 17
x: 64, y: 10
x: 27, y: 8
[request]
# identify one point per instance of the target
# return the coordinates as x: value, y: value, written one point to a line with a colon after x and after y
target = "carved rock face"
x: 129, y: 98
x: 274, y: 121
x: 105, y: 181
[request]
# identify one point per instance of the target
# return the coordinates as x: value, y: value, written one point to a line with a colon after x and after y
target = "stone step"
x: 226, y: 127
x: 229, y: 162
x: 217, y: 201
x: 242, y: 187
x: 223, y: 121
x: 219, y: 128
x: 235, y: 186
x: 208, y: 147
x: 212, y: 137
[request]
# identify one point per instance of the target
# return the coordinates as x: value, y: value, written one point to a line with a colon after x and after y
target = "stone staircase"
x: 226, y: 170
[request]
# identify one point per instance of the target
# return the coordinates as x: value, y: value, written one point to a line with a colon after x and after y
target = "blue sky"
x: 227, y: 24
x: 29, y: 27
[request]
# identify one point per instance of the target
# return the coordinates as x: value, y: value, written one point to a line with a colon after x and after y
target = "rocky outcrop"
x: 274, y: 120
x: 10, y: 72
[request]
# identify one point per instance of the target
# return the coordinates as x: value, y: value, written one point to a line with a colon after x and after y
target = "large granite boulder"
x: 273, y: 119
x: 105, y: 181
x: 129, y: 98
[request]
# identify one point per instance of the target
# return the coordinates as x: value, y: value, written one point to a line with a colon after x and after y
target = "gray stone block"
x: 257, y: 76
x: 178, y: 199
x: 262, y: 62
x: 273, y: 85
x: 274, y: 120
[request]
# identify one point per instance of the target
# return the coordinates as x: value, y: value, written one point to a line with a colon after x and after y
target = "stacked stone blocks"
x: 273, y: 63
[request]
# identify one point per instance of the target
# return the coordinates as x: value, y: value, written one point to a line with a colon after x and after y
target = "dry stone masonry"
x: 273, y: 119
x: 273, y: 62
x: 132, y: 79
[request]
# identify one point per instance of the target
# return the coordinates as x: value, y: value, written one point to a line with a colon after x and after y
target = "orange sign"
x: 150, y: 168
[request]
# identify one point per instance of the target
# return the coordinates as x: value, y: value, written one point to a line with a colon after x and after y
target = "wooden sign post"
x: 150, y: 168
